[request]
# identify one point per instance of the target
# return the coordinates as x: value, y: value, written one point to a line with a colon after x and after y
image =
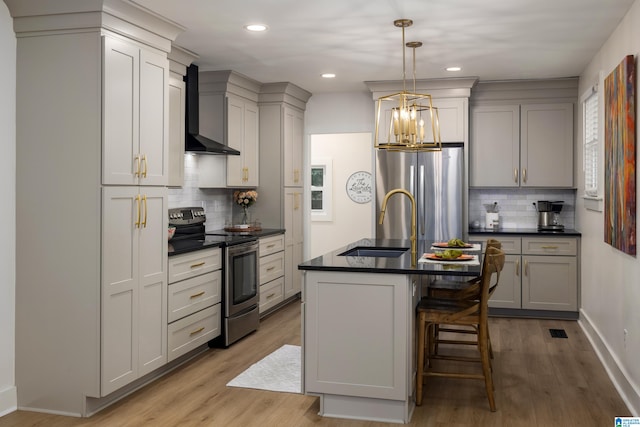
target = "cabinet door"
x: 120, y: 287
x: 293, y: 143
x: 547, y: 145
x: 134, y: 284
x: 495, y: 146
x: 152, y: 272
x: 154, y: 118
x: 508, y: 293
x: 177, y: 92
x: 121, y: 109
x: 293, y: 236
x: 242, y: 134
x: 550, y: 283
x: 451, y: 120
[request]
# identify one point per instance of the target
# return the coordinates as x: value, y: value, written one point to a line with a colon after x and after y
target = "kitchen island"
x: 358, y: 320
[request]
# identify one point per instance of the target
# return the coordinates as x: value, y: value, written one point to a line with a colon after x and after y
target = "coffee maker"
x: 549, y: 215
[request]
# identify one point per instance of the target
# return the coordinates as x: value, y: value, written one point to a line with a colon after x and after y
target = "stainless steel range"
x: 240, y: 271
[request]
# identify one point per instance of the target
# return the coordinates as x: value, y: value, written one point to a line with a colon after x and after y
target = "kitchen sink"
x: 371, y: 251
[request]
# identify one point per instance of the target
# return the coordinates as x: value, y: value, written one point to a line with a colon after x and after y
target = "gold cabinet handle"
x: 515, y: 175
x: 296, y: 204
x: 296, y: 175
x: 526, y: 268
x: 144, y: 200
x: 271, y: 246
x: 271, y: 295
x: 270, y: 268
x: 137, y: 211
x: 200, y: 264
x: 518, y: 267
x: 524, y: 175
x: 137, y: 172
x: 197, y: 331
x: 144, y: 164
x: 197, y: 295
x: 550, y: 247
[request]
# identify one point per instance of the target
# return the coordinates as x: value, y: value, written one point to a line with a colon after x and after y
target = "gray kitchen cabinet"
x: 281, y: 203
x: 134, y: 284
x: 135, y: 146
x: 540, y: 273
x: 229, y: 114
x: 87, y: 315
x: 194, y: 300
x: 522, y: 145
x: 272, y: 266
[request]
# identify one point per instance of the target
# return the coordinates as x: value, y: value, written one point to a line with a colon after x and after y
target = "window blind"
x: 590, y: 108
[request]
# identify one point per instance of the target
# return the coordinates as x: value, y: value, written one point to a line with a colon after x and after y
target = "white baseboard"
x: 629, y: 392
x: 8, y: 400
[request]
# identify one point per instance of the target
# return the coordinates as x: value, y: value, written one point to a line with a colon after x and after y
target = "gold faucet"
x: 413, y: 219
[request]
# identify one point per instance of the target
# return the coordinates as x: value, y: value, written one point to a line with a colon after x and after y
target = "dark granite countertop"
x: 332, y: 261
x: 526, y: 232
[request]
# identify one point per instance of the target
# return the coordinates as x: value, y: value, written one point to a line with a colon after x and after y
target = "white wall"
x: 610, y: 278
x: 8, y: 400
x: 350, y: 221
x: 336, y: 113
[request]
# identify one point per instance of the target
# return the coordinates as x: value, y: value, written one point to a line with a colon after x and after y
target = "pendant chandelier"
x: 407, y: 121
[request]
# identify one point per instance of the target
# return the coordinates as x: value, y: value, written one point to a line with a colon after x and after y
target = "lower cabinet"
x: 272, y: 267
x: 540, y: 273
x: 194, y: 300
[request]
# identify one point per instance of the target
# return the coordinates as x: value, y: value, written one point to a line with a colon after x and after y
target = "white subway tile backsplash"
x: 516, y: 205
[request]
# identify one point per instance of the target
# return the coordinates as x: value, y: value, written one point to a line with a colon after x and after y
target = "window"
x: 321, y: 194
x: 591, y: 146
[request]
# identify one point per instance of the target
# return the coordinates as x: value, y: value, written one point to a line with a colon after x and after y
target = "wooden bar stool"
x: 432, y: 312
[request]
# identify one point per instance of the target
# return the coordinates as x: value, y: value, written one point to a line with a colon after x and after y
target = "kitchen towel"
x: 279, y: 371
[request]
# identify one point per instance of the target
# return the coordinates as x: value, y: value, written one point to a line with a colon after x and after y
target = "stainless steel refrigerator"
x: 437, y: 182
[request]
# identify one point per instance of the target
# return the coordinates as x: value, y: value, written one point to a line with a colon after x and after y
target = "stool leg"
x: 421, y: 351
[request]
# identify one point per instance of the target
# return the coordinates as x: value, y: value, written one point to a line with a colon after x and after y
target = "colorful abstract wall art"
x: 620, y: 157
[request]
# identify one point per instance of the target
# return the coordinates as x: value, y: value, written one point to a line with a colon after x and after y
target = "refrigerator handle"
x: 419, y: 199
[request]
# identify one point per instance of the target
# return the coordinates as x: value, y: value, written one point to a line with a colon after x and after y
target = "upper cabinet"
x: 528, y: 145
x: 242, y: 135
x: 522, y: 134
x: 229, y: 114
x: 135, y: 114
x: 293, y: 142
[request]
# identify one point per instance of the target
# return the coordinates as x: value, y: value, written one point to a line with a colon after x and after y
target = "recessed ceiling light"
x: 454, y: 68
x: 256, y: 27
x: 328, y: 76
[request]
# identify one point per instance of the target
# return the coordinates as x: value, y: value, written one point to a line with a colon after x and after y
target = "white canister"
x: 492, y: 221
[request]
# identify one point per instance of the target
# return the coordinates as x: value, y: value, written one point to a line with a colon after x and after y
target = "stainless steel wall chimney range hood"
x: 194, y: 142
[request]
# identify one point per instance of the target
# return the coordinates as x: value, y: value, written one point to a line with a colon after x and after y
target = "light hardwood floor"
x: 540, y: 381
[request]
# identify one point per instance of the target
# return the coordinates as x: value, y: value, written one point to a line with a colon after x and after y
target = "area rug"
x: 279, y: 371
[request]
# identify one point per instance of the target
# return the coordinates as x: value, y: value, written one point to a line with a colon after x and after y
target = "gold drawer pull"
x: 197, y: 295
x: 549, y: 247
x: 271, y: 246
x: 271, y: 295
x: 517, y: 267
x: 515, y: 175
x: 197, y: 331
x: 270, y: 268
x: 200, y: 264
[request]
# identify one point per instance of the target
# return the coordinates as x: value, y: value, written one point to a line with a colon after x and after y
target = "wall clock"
x: 359, y: 187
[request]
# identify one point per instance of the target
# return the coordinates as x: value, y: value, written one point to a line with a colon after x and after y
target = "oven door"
x: 241, y: 274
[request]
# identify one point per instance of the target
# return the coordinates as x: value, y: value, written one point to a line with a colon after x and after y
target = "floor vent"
x: 558, y: 333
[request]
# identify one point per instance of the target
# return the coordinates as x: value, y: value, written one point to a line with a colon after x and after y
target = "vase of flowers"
x: 244, y: 199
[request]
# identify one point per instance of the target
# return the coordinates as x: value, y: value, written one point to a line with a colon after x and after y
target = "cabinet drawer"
x: 510, y: 245
x: 191, y: 295
x: 549, y: 246
x: 271, y: 294
x: 192, y: 264
x: 270, y: 245
x: 193, y: 331
x: 271, y: 267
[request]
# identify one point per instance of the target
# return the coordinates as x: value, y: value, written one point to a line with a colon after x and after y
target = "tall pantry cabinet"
x: 281, y: 201
x: 91, y: 171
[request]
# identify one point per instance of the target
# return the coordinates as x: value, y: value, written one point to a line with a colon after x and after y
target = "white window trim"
x: 593, y: 199
x: 326, y: 214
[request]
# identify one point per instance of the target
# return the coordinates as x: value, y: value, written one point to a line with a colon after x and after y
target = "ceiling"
x: 356, y: 39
